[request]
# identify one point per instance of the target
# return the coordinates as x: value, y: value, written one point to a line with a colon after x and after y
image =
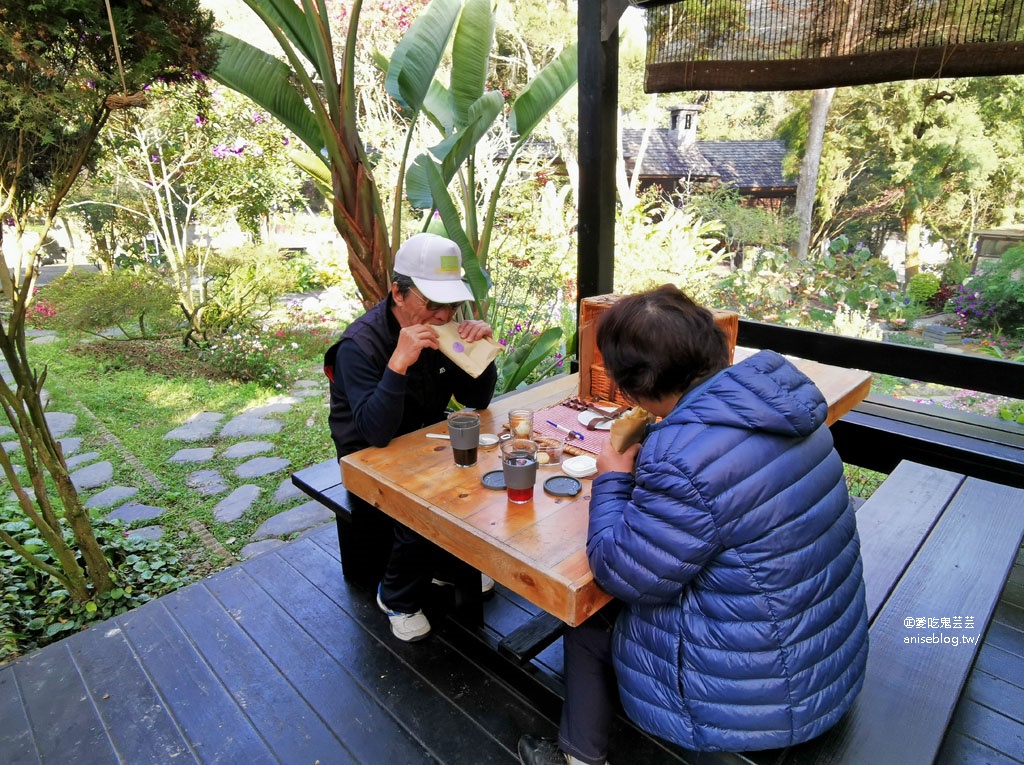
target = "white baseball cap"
x: 434, y: 264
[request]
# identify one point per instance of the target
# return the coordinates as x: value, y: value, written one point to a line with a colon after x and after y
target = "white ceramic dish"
x: 586, y: 418
x: 487, y: 440
x: 582, y: 466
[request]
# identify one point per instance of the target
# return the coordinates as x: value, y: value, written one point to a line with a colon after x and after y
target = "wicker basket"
x: 594, y: 380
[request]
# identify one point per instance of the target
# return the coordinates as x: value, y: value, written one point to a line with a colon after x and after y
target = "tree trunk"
x: 807, y: 185
x: 912, y: 227
x: 24, y: 412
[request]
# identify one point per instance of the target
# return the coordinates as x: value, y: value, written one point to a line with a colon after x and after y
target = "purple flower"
x: 201, y: 120
x: 220, y: 151
x: 257, y: 118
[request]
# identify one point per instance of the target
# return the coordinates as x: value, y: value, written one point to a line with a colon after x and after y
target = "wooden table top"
x: 537, y: 549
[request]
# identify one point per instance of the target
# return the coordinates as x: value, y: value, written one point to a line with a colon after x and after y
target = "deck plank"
x: 58, y: 705
x: 214, y: 723
x: 17, y: 744
x: 291, y: 728
x: 369, y: 732
x: 450, y: 706
x: 121, y: 690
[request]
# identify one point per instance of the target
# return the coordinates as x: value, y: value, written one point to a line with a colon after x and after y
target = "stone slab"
x: 81, y: 459
x: 286, y: 492
x: 253, y: 549
x: 70, y: 445
x: 92, y: 476
x: 135, y: 511
x: 244, y: 426
x: 234, y: 505
x: 208, y: 482
x: 61, y: 423
x: 198, y: 427
x: 246, y: 449
x: 259, y: 466
x: 203, y: 454
x: 277, y: 407
x: 305, y: 516
x: 113, y: 495
x: 147, y: 532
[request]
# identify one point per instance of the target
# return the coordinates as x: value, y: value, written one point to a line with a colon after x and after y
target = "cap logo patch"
x: 449, y: 265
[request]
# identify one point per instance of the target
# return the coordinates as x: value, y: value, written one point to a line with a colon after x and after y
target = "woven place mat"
x: 593, y: 440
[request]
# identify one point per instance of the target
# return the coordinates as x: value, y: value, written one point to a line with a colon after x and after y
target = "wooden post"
x: 598, y: 143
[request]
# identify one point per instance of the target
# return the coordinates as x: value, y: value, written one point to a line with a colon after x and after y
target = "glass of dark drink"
x: 519, y: 465
x: 464, y: 434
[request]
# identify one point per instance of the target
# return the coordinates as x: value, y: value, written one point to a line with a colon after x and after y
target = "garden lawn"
x: 139, y: 391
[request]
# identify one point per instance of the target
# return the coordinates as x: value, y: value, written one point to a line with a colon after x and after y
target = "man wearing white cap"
x: 388, y: 377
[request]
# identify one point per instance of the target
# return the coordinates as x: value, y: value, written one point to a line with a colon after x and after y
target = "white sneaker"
x: 486, y: 583
x: 407, y: 627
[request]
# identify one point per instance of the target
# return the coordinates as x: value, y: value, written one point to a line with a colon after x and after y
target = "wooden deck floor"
x: 278, y: 660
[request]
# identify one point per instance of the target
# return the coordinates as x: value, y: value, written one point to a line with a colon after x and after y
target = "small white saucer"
x: 487, y: 440
x: 582, y: 466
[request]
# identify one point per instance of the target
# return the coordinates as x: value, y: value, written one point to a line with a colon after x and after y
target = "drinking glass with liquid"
x: 464, y: 435
x: 519, y: 465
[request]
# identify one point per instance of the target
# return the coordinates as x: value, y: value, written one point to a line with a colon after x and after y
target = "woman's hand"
x: 473, y: 330
x: 610, y: 461
x: 411, y: 342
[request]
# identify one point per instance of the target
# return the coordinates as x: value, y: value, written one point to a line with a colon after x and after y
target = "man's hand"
x: 610, y: 461
x: 473, y: 330
x: 411, y: 341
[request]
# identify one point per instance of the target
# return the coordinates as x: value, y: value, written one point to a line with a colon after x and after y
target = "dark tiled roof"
x: 744, y: 164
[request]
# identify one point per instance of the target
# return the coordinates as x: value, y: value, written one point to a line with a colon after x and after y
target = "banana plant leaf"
x: 455, y: 149
x: 525, y: 358
x: 266, y: 80
x: 478, y: 281
x: 418, y: 54
x: 544, y: 91
x: 471, y: 51
x: 289, y: 16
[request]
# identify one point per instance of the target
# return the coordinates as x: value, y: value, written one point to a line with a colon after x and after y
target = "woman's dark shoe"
x: 534, y: 750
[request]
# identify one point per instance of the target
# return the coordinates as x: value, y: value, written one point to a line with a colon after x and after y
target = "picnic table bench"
x: 937, y: 548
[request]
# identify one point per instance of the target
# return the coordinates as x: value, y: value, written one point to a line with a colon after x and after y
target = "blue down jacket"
x: 735, y: 550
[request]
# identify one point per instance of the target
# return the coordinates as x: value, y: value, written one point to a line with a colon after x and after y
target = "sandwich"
x: 629, y: 428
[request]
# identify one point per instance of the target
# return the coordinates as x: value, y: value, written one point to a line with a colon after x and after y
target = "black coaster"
x: 494, y: 480
x: 562, y: 486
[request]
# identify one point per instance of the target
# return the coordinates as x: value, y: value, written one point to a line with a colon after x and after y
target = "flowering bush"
x: 41, y: 314
x: 994, y: 299
x: 246, y: 358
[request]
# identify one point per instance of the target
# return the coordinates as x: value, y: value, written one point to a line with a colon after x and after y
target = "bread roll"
x: 629, y: 428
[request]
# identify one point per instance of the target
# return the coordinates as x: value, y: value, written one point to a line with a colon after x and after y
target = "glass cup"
x: 520, y: 423
x: 519, y: 465
x: 549, y: 451
x: 464, y: 434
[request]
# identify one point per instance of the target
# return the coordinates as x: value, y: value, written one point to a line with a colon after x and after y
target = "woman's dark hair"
x: 404, y: 283
x: 660, y: 342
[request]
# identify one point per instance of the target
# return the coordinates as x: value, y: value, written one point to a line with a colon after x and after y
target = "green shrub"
x: 139, y: 303
x: 34, y: 613
x: 922, y: 287
x: 242, y: 289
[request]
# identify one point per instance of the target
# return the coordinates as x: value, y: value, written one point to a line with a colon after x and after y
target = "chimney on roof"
x: 683, y: 123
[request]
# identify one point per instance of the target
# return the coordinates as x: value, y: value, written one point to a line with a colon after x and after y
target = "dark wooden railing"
x: 882, y: 431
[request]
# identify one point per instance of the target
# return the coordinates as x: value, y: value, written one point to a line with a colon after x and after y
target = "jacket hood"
x: 763, y: 392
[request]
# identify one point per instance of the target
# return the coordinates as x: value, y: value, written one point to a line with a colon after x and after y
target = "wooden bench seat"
x: 936, y: 546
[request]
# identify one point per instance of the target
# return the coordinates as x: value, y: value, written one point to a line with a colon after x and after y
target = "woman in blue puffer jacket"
x: 727, y: 538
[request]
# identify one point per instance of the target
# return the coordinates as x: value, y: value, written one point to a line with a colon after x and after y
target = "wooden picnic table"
x: 537, y: 549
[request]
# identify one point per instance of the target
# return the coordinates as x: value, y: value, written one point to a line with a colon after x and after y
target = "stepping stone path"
x: 205, y: 432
